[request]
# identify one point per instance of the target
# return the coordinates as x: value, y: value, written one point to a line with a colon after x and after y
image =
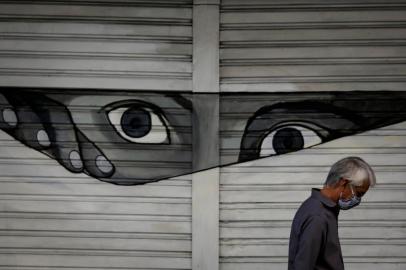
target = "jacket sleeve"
x: 312, y: 237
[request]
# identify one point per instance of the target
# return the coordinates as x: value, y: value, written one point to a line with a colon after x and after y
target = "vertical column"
x: 205, y: 184
x: 206, y: 24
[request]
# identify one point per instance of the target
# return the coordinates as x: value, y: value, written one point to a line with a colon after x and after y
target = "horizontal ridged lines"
x: 97, y: 44
x: 299, y: 46
x: 259, y: 200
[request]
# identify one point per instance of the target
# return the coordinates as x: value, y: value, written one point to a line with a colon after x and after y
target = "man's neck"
x: 330, y: 193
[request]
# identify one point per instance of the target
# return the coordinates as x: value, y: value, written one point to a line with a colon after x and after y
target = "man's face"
x: 358, y: 191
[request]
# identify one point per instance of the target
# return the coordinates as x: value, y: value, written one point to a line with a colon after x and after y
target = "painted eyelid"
x: 271, y: 143
x: 329, y: 122
x: 316, y: 128
x: 339, y: 117
x: 125, y: 103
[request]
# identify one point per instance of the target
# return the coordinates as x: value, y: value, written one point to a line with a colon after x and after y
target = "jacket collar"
x: 324, y: 200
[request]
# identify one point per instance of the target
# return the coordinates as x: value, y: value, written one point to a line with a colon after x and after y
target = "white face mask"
x: 349, y: 203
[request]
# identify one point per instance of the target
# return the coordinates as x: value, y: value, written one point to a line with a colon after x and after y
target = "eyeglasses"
x: 357, y: 192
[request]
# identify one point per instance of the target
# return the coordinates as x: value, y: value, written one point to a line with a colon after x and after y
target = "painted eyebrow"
x: 182, y: 101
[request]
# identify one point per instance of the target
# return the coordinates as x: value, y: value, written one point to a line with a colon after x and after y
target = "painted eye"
x: 139, y: 123
x: 288, y: 139
x: 292, y: 126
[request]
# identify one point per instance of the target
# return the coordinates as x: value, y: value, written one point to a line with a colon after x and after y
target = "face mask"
x: 349, y: 203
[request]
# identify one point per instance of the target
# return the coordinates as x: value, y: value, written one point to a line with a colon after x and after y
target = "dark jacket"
x: 314, y: 242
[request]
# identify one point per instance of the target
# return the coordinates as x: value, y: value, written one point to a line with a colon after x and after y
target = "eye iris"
x: 287, y: 140
x: 136, y: 122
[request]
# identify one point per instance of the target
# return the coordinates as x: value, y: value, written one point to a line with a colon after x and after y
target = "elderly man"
x: 314, y: 242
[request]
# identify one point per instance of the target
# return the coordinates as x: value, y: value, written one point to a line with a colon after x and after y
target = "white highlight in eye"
x: 310, y: 138
x: 157, y: 134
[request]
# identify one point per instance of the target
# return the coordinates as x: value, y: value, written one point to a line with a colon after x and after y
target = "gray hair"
x: 354, y: 169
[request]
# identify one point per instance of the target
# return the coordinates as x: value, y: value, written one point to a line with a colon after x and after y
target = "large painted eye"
x: 139, y: 123
x: 287, y: 139
x: 291, y: 126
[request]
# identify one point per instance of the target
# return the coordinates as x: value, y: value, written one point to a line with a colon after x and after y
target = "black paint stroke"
x: 245, y: 120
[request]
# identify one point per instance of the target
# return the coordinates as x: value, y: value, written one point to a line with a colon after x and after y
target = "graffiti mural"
x: 130, y: 138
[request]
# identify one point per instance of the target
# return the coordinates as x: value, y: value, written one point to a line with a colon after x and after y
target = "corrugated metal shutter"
x: 312, y: 45
x: 50, y: 218
x: 258, y: 201
x: 292, y: 46
x: 97, y: 44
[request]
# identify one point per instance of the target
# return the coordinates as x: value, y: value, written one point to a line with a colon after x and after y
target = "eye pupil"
x: 136, y: 122
x: 287, y: 140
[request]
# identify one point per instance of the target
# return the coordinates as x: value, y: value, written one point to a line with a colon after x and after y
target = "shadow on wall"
x: 131, y: 138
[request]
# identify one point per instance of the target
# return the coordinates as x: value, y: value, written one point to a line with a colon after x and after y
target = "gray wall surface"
x: 232, y: 217
x: 50, y: 218
x: 316, y: 46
